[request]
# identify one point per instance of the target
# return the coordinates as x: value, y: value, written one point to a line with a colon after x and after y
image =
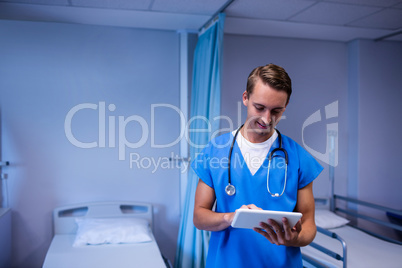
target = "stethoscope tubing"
x: 231, y: 190
x: 230, y: 153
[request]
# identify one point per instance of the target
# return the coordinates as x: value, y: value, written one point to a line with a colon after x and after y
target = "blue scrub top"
x: 235, y: 247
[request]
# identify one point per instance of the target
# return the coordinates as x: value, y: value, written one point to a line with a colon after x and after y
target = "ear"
x: 245, y: 98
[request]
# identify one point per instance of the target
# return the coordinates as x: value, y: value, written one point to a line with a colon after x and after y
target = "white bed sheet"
x: 62, y: 254
x: 363, y: 250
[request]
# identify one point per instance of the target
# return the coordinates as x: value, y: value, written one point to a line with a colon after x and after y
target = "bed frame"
x: 349, y: 211
x: 64, y: 217
x: 352, y: 214
x: 355, y: 214
x: 62, y: 254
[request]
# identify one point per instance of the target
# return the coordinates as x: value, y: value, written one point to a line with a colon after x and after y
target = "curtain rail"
x: 214, y: 16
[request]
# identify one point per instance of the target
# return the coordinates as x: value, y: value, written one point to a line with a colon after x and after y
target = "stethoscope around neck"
x: 230, y: 189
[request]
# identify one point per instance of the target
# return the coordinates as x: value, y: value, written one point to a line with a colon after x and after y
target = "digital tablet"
x: 250, y: 218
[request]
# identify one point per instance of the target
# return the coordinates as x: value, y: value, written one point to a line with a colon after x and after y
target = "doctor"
x: 285, y: 189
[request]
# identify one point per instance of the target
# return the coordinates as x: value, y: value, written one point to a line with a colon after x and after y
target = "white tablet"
x: 250, y: 218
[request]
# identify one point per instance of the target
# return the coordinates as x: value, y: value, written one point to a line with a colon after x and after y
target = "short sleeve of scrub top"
x: 233, y: 247
x: 212, y: 158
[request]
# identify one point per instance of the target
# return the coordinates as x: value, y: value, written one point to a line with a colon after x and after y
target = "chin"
x: 263, y: 132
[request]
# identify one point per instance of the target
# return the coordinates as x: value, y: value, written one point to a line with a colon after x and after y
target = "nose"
x: 266, y: 118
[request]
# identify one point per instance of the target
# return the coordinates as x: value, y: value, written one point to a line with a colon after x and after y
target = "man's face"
x: 265, y: 107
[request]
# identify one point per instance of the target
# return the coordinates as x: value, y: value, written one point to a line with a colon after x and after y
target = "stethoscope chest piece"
x: 230, y: 190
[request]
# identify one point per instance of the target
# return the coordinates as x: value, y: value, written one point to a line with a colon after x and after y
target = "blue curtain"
x: 192, y: 244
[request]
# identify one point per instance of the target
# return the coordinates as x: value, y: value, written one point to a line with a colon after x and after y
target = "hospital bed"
x: 104, y: 234
x: 339, y: 243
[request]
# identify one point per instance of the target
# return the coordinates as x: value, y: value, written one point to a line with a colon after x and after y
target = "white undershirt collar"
x: 254, y: 154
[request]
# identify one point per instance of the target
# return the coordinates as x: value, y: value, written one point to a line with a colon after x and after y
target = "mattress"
x: 62, y: 254
x: 363, y: 250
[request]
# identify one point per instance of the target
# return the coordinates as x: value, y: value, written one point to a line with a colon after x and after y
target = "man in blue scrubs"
x: 266, y: 98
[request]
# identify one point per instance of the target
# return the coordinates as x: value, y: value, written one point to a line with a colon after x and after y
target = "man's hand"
x: 277, y: 235
x: 251, y: 206
x: 303, y: 232
x: 229, y: 217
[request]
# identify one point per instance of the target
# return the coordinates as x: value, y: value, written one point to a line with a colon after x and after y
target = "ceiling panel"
x: 341, y: 20
x: 204, y: 7
x: 385, y: 19
x: 39, y: 2
x: 113, y: 4
x: 102, y: 16
x: 267, y: 9
x: 333, y: 13
x: 378, y: 3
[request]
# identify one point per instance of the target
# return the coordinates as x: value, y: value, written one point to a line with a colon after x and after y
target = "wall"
x: 318, y: 70
x: 5, y: 234
x: 378, y: 130
x: 380, y: 143
x: 115, y: 75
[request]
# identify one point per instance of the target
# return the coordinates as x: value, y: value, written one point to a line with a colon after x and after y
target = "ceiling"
x: 337, y: 20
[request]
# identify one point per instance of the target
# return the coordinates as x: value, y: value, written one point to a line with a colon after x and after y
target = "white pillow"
x: 96, y: 231
x: 327, y: 219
